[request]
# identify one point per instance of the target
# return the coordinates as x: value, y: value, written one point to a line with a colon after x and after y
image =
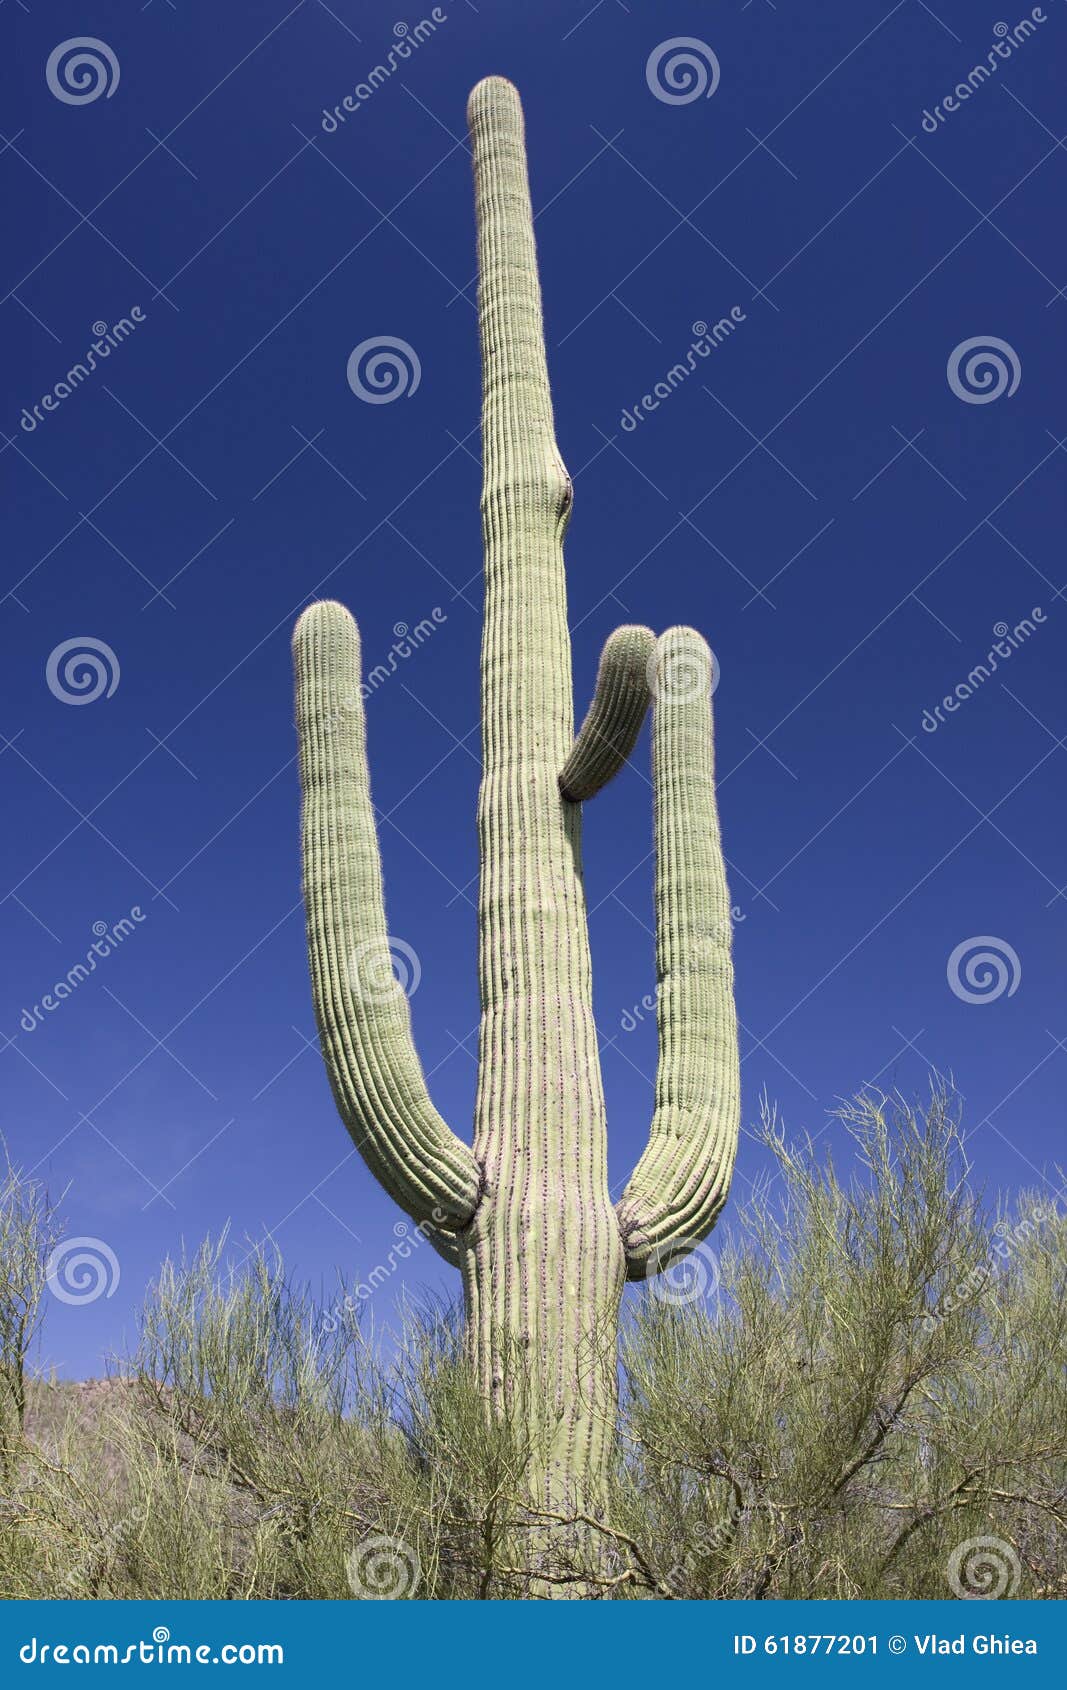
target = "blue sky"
x: 817, y: 497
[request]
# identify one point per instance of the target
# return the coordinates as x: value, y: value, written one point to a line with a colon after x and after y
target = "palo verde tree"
x: 525, y: 1211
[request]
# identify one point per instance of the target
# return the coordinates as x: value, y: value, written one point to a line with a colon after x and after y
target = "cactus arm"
x: 609, y: 732
x: 680, y: 1183
x: 362, y: 1012
x: 448, y: 1245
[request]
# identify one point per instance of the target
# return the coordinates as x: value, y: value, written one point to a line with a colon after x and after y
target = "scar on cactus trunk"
x: 526, y: 1212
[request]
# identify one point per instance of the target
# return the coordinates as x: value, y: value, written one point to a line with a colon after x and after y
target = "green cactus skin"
x: 527, y: 1214
x: 680, y: 1184
x: 609, y: 732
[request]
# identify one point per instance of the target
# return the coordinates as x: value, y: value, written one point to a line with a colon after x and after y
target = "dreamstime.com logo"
x: 158, y: 1650
x: 681, y: 1274
x: 383, y: 1569
x: 405, y: 42
x: 983, y: 1569
x: 407, y: 640
x: 382, y: 369
x: 1008, y: 1238
x: 983, y: 969
x: 1008, y: 640
x: 1005, y: 43
x: 981, y: 369
x: 710, y: 941
x: 701, y: 1542
x: 80, y: 70
x: 101, y: 1552
x: 408, y: 1239
x: 707, y: 339
x: 81, y: 670
x: 682, y: 70
x: 106, y: 338
x: 82, y: 1270
x: 107, y: 939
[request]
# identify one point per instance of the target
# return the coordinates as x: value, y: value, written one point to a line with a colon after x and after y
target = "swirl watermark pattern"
x: 983, y: 969
x: 382, y: 1569
x: 382, y: 369
x: 682, y: 70
x: 380, y: 969
x: 82, y: 1270
x: 982, y: 368
x: 983, y: 1569
x: 82, y: 69
x: 681, y: 1274
x: 81, y: 670
x: 679, y: 675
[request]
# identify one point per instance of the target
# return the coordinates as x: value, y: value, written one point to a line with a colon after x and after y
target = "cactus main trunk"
x: 543, y: 1259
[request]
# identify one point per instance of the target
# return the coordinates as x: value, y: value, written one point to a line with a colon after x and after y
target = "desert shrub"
x: 273, y: 1441
x: 878, y: 1379
x: 56, y: 1476
x: 838, y: 1399
x: 29, y: 1228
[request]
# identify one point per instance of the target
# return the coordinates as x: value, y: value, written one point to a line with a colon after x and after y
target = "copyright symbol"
x: 897, y: 1645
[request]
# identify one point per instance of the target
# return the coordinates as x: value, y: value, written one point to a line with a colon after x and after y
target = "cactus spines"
x: 527, y: 1213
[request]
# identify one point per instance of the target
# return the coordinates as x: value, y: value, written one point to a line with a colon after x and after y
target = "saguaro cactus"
x: 526, y: 1212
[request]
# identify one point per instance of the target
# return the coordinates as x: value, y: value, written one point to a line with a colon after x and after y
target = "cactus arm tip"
x: 493, y: 91
x: 620, y: 702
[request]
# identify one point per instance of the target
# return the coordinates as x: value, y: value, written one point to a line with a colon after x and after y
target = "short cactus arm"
x: 609, y: 732
x: 681, y: 1181
x: 363, y: 1015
